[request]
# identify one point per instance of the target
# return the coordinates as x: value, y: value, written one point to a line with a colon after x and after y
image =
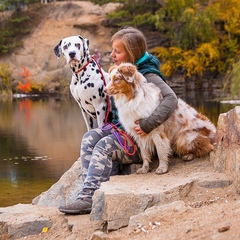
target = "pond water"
x: 40, y: 140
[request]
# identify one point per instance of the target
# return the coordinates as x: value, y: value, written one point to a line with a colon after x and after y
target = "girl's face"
x: 119, y: 53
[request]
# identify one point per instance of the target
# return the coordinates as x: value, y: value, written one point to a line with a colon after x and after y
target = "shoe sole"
x: 74, y: 212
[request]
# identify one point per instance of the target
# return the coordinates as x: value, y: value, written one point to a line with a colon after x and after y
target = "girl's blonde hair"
x: 133, y: 41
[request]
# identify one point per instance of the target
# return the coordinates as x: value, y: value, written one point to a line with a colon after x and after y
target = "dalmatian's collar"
x: 78, y: 71
x: 82, y: 68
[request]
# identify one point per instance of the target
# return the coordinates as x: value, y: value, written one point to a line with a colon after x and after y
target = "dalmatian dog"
x: 88, y: 80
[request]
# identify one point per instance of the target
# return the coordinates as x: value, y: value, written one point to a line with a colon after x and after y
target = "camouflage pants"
x: 100, y: 149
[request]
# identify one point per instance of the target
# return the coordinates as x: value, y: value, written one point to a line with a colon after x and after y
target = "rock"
x: 123, y: 202
x: 226, y: 155
x: 119, y: 199
x: 123, y: 196
x: 149, y: 219
x: 98, y: 235
x: 64, y: 191
x: 26, y: 221
x: 22, y: 220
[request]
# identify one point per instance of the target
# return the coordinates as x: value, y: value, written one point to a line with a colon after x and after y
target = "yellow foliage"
x: 176, y: 52
x: 167, y: 68
x: 190, y: 63
x: 5, y: 77
x: 162, y: 53
x: 169, y: 57
x: 194, y: 62
x: 207, y: 53
x: 231, y: 17
x: 193, y: 67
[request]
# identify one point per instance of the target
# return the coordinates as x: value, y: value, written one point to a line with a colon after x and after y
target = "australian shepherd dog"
x: 186, y: 132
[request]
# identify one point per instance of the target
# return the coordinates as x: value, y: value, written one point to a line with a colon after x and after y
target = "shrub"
x: 5, y: 78
x: 25, y: 85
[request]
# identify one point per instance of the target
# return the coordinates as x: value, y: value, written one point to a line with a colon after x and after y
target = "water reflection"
x: 40, y: 139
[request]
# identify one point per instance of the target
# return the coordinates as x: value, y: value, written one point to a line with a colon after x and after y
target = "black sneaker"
x: 80, y: 206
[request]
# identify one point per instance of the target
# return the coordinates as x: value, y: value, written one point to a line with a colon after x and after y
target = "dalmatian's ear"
x: 57, y: 49
x: 85, y: 41
x: 85, y: 46
x: 128, y: 71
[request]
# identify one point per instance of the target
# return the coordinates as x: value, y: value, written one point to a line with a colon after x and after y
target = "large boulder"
x: 226, y: 155
x: 64, y: 191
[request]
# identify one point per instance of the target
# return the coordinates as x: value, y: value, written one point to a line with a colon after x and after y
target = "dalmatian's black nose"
x: 72, y: 54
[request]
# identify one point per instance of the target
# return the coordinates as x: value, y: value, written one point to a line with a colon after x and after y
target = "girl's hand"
x: 139, y: 130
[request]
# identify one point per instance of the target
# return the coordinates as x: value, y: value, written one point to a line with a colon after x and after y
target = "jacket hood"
x: 149, y: 64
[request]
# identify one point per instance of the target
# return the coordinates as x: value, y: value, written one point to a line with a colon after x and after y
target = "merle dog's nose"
x: 72, y: 54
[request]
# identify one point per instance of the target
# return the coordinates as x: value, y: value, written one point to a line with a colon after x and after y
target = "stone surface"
x: 115, y: 203
x: 149, y: 218
x: 134, y: 206
x: 23, y: 220
x: 64, y: 191
x: 226, y: 155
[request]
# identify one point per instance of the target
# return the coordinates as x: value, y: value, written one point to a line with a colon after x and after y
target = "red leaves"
x: 25, y: 86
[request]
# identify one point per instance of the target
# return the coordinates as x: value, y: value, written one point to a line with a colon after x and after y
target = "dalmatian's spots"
x: 91, y: 122
x: 78, y: 46
x: 93, y: 114
x: 86, y: 79
x: 90, y: 85
x: 100, y: 91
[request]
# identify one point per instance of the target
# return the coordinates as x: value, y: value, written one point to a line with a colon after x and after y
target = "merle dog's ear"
x: 57, y: 49
x: 127, y: 71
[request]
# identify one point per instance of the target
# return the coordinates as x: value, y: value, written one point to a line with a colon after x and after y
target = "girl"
x: 101, y: 147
